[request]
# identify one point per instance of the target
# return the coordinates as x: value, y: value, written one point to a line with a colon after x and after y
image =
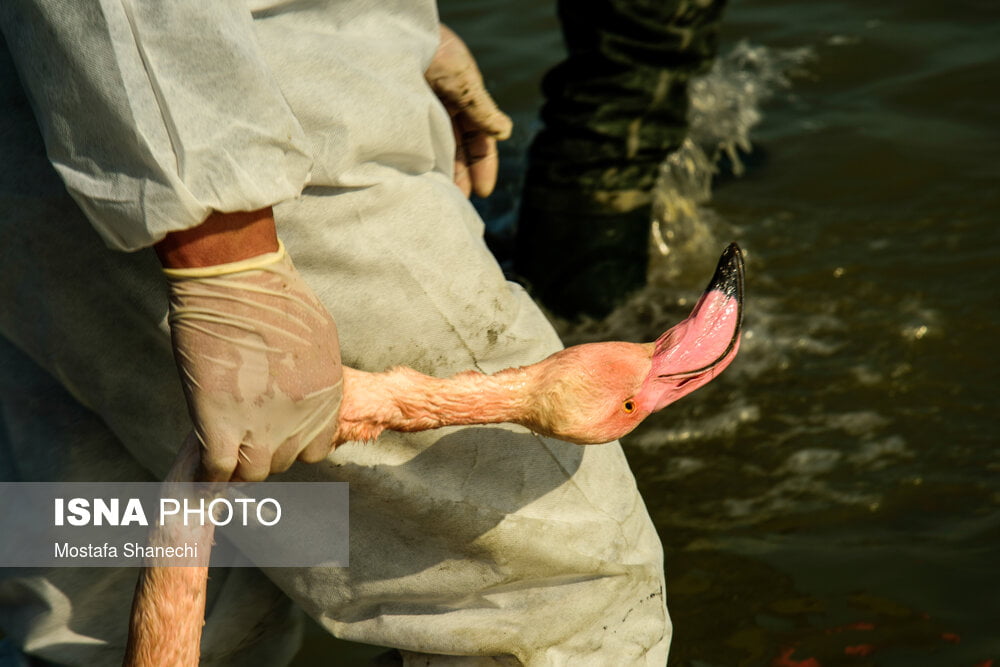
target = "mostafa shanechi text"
x: 184, y: 551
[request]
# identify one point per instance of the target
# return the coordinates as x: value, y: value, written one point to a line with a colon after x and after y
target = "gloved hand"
x: 475, y: 118
x: 260, y: 362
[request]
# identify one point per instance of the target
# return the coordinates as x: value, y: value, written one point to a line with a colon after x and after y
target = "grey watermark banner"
x: 262, y: 524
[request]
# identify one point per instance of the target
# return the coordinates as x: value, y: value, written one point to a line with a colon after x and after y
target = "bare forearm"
x: 220, y: 239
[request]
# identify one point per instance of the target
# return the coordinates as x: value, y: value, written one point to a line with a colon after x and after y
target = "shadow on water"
x: 833, y: 498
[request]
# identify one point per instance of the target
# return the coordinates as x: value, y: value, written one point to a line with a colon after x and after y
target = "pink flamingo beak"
x: 692, y: 353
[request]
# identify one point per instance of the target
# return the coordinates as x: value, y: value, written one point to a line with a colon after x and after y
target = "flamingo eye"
x: 628, y: 405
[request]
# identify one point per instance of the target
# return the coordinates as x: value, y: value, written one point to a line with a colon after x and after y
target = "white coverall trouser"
x: 476, y: 541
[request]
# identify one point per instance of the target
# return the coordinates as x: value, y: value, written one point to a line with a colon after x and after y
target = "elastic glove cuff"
x: 249, y: 264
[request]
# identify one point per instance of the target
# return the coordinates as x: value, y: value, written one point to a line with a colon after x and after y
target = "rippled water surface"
x: 834, y: 495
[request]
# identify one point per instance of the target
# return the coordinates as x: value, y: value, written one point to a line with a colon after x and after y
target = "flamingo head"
x: 599, y: 392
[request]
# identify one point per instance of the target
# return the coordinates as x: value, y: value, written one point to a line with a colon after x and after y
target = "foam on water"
x: 817, y: 462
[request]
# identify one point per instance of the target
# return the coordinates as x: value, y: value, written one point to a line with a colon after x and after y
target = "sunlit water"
x: 834, y: 495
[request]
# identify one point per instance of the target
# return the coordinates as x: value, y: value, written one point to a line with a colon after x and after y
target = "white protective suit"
x: 484, y: 541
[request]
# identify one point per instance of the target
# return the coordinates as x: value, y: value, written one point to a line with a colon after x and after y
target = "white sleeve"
x: 156, y: 113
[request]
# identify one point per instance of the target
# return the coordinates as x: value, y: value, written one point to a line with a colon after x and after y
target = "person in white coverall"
x: 200, y: 128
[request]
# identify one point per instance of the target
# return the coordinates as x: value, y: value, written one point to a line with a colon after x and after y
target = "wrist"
x: 228, y: 268
x: 222, y: 238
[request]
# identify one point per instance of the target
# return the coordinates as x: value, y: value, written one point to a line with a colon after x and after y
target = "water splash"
x: 726, y: 103
x: 726, y: 106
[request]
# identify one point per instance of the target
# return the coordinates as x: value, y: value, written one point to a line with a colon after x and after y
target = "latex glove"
x: 260, y: 362
x: 475, y: 118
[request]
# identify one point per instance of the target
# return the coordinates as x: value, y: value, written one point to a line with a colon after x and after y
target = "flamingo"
x: 585, y: 394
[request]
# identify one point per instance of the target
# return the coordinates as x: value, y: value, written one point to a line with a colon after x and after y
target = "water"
x: 834, y: 495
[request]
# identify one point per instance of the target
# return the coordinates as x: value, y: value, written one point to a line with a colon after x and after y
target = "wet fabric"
x: 617, y: 105
x: 614, y: 109
x: 486, y: 541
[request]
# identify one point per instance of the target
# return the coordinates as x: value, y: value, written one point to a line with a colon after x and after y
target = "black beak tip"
x: 728, y: 277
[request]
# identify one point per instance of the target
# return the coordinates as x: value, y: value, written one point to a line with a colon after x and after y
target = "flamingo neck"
x: 402, y: 399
